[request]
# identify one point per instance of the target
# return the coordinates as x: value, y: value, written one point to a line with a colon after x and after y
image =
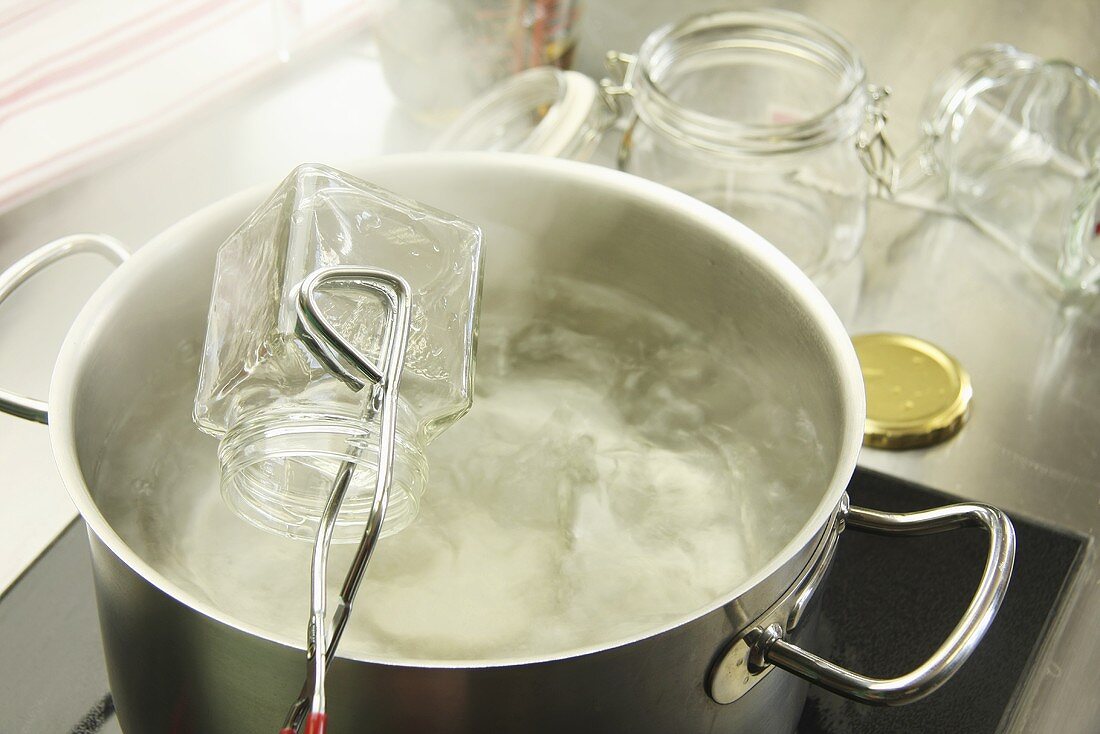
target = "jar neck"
x: 278, y: 467
x: 782, y: 34
x: 972, y: 74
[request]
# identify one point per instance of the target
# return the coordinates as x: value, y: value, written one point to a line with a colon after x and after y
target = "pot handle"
x: 22, y: 271
x: 770, y: 648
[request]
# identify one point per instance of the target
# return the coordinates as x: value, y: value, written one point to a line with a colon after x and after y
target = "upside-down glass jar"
x: 766, y: 115
x: 1017, y: 139
x: 286, y: 422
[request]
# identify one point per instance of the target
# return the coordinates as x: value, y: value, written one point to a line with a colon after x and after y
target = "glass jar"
x: 765, y: 115
x: 1018, y: 141
x: 438, y: 55
x: 285, y: 421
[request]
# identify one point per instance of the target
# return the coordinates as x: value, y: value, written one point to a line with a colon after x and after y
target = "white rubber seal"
x: 566, y: 128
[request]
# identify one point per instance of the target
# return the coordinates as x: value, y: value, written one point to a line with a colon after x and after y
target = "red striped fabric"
x: 82, y: 79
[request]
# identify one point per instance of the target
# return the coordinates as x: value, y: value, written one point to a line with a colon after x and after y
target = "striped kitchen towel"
x: 80, y: 79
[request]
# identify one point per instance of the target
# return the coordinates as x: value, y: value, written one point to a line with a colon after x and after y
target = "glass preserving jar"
x: 1018, y: 141
x: 286, y: 422
x: 438, y: 55
x: 765, y: 115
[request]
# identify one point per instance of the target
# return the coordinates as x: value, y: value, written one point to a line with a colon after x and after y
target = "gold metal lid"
x: 917, y: 394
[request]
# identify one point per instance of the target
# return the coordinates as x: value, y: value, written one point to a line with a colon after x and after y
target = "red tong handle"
x: 315, y: 724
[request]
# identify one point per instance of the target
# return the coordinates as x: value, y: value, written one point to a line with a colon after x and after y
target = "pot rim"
x: 91, y: 323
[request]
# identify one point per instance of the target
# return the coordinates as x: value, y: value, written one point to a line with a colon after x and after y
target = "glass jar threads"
x: 765, y: 115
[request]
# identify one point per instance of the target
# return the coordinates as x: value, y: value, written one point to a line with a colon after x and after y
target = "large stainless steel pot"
x: 178, y: 665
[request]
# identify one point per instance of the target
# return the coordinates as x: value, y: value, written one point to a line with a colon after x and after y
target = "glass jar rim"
x: 962, y: 81
x: 716, y: 134
x: 311, y: 434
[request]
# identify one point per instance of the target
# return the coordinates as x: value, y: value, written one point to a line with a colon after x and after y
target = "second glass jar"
x: 765, y: 115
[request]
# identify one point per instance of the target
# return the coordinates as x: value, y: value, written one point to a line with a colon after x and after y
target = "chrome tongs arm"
x: 357, y: 371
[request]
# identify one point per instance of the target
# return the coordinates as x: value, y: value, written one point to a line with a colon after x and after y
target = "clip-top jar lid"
x: 917, y: 394
x: 544, y: 111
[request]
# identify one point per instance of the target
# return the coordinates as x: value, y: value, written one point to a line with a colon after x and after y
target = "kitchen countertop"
x: 1031, y: 446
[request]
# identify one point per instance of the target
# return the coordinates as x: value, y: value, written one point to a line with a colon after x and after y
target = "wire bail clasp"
x: 875, y: 151
x: 620, y: 66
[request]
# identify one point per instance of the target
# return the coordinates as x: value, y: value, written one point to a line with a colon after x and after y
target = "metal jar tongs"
x: 358, y: 372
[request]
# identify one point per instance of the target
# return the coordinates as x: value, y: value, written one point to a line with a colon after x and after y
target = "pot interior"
x: 698, y: 448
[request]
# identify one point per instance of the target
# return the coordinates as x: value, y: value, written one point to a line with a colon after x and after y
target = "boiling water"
x: 617, y: 472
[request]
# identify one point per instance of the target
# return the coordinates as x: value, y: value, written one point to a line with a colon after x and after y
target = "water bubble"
x: 141, y: 488
x: 367, y: 220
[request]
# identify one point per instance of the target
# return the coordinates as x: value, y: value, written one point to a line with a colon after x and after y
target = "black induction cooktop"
x: 887, y: 603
